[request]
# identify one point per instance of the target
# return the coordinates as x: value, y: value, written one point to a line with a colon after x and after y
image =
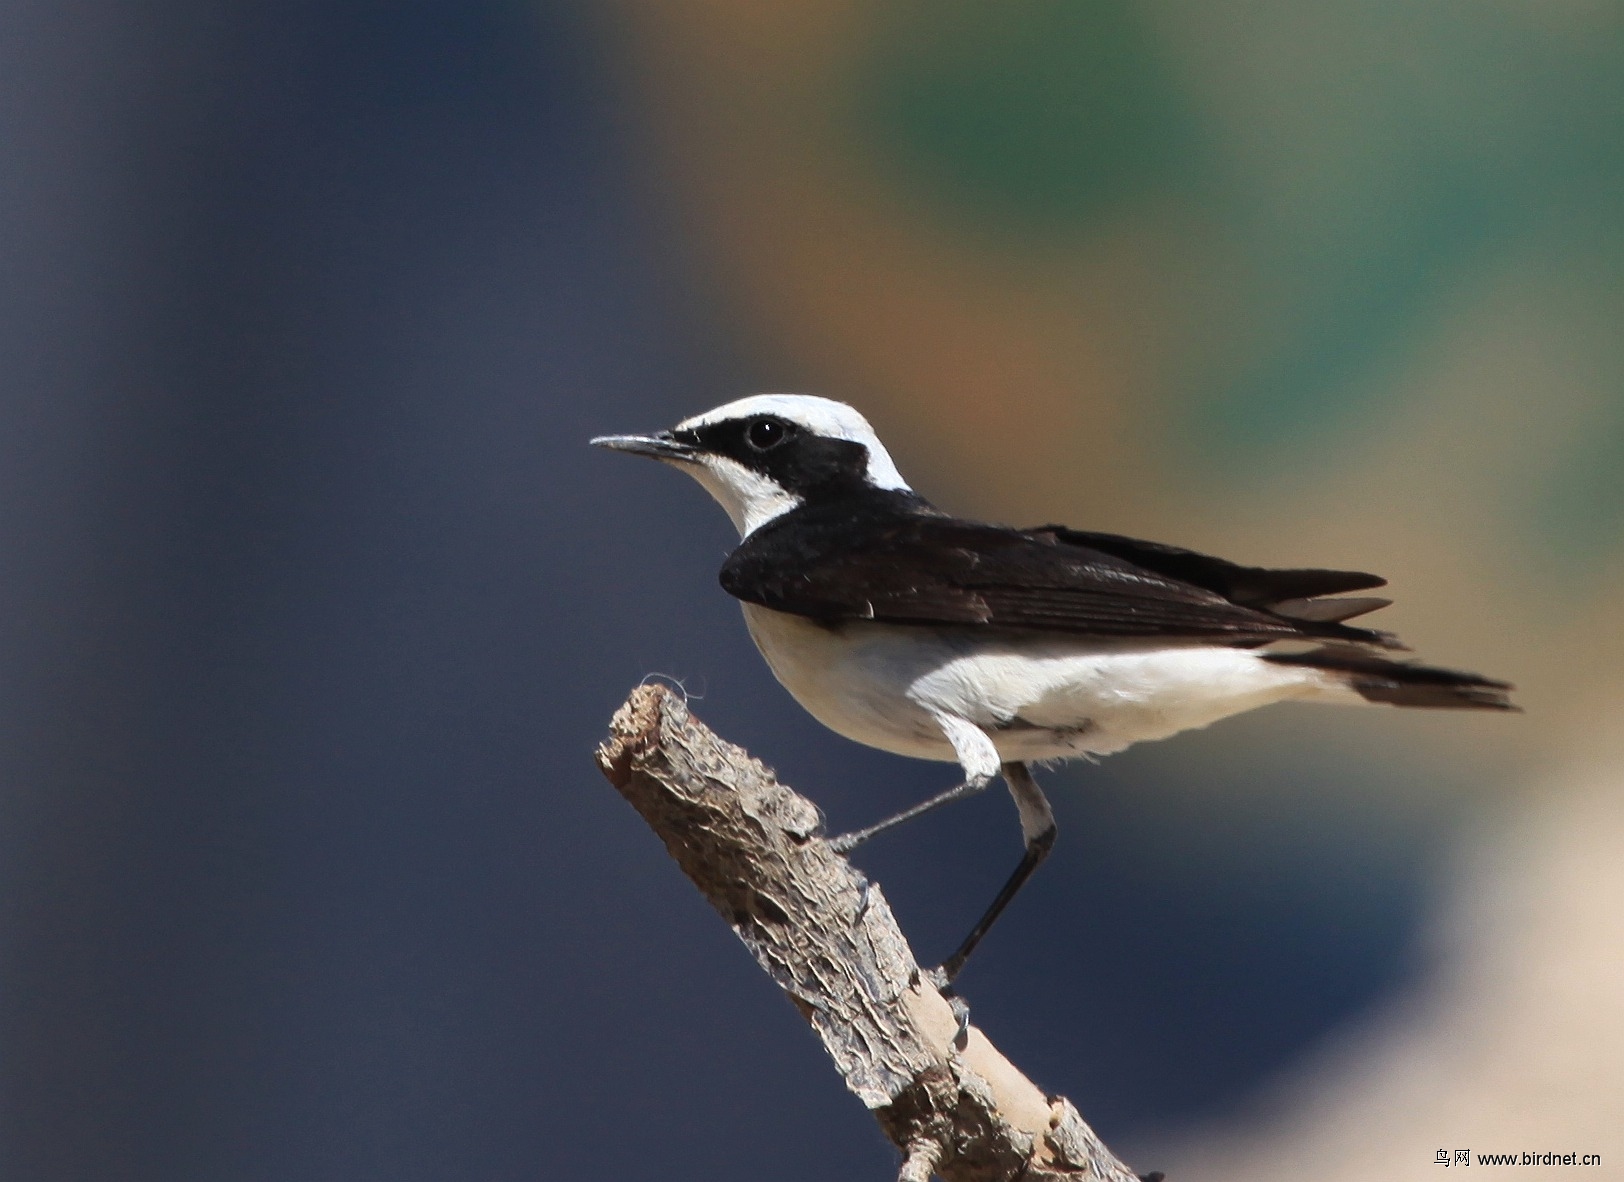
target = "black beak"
x: 658, y: 447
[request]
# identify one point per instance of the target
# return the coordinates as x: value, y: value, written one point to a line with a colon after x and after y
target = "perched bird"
x: 899, y: 626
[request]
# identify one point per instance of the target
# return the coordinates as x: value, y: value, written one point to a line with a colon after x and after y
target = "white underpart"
x: 1032, y: 697
x: 752, y: 500
x: 971, y: 746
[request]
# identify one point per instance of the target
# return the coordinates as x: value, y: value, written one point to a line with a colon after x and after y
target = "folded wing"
x: 924, y: 568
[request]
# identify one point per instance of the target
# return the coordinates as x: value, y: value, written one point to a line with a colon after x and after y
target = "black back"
x: 890, y: 556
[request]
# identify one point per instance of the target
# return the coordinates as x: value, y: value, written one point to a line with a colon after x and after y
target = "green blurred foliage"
x: 1393, y: 155
x: 1025, y: 120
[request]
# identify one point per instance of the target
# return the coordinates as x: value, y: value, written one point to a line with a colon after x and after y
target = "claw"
x: 961, y: 1014
x: 846, y: 842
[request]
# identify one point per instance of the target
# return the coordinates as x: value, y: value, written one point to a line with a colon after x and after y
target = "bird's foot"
x: 943, y: 984
x: 847, y: 842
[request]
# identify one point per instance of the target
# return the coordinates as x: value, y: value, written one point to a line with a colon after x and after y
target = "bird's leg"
x: 1038, y: 829
x: 977, y: 756
x: 847, y: 842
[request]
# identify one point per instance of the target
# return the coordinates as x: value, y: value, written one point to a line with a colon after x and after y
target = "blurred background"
x: 314, y: 602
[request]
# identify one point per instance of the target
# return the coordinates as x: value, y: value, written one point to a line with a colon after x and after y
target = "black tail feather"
x: 1399, y: 683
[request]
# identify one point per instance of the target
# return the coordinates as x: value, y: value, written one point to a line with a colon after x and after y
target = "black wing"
x: 1292, y: 593
x: 917, y: 567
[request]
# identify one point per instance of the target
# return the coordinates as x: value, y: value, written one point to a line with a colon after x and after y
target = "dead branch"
x: 821, y: 930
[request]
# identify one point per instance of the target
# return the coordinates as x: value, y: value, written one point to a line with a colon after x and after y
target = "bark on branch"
x: 821, y: 930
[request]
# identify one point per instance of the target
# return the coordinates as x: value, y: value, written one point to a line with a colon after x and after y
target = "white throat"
x: 750, y: 499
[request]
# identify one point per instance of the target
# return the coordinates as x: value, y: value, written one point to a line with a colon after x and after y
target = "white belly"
x: 1035, y: 697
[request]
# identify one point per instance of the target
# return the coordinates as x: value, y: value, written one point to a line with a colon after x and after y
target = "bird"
x: 904, y: 628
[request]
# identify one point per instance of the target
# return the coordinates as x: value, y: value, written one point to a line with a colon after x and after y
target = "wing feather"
x: 924, y: 568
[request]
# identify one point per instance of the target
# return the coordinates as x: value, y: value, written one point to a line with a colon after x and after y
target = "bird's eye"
x: 766, y: 434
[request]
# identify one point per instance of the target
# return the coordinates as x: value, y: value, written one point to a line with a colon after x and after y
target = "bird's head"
x: 762, y: 456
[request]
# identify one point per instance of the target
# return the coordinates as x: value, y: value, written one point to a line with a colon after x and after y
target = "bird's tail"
x: 1399, y: 683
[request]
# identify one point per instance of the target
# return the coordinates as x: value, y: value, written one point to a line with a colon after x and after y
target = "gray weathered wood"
x: 755, y: 849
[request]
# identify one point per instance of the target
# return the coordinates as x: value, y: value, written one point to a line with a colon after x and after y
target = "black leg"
x: 847, y: 842
x: 1038, y: 828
